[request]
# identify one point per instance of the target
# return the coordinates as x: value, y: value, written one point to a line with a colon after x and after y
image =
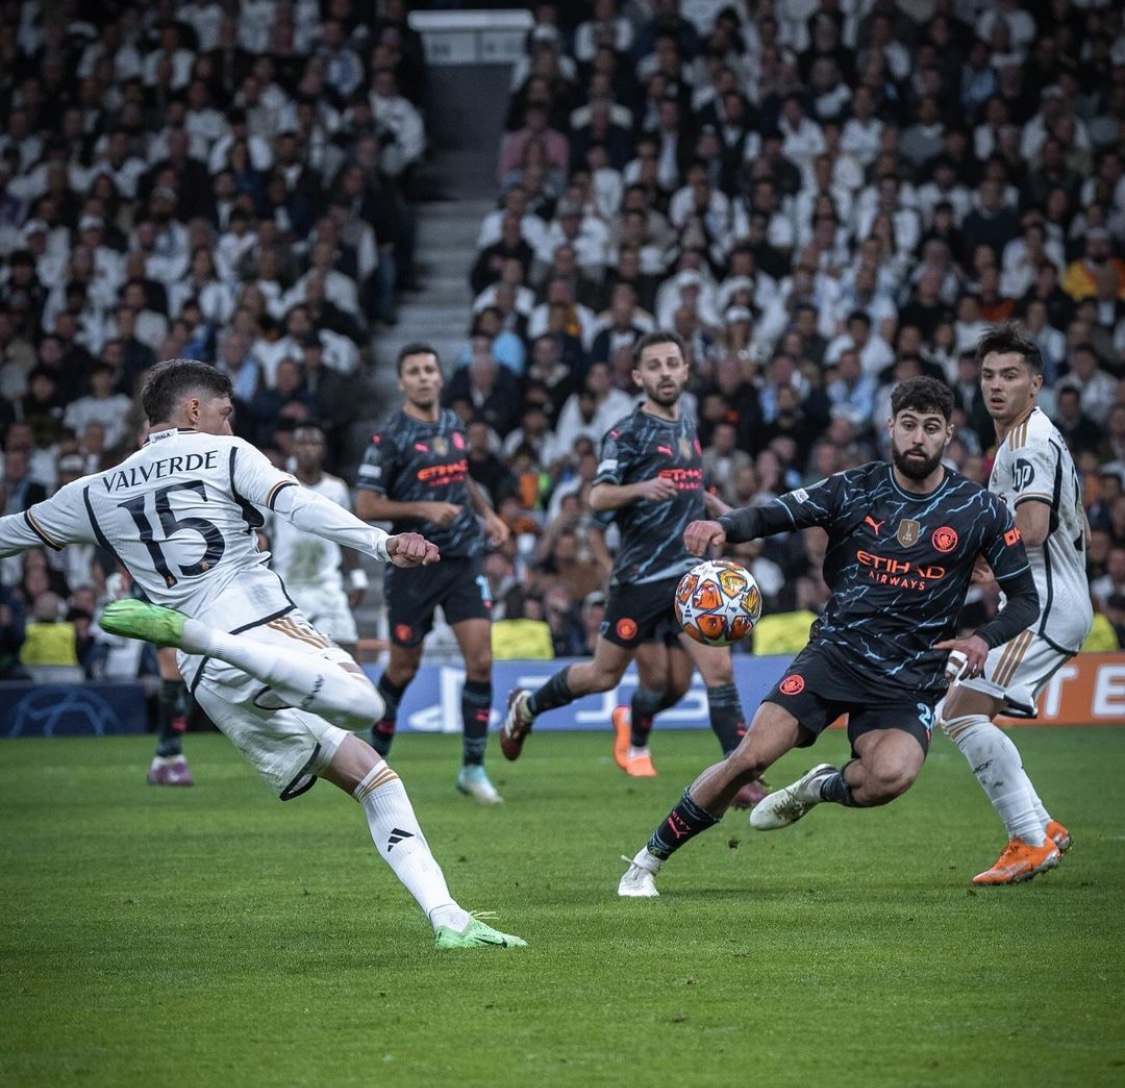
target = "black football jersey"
x: 641, y: 447
x: 411, y: 460
x: 898, y: 564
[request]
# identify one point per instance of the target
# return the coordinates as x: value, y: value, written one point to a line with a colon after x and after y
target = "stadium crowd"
x: 821, y: 198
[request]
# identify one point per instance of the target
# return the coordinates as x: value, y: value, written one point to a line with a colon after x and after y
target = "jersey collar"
x: 168, y: 432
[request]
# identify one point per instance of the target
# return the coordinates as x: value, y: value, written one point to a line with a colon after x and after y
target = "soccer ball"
x: 718, y: 602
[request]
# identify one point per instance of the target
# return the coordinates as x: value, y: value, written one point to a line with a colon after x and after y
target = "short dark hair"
x: 658, y: 336
x: 415, y: 347
x: 172, y: 381
x: 922, y: 394
x: 1005, y: 340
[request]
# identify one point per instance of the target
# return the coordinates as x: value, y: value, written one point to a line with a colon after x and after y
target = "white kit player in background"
x: 312, y: 567
x: 180, y: 515
x: 1034, y: 474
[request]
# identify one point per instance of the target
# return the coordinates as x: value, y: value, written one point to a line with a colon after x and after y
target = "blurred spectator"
x: 48, y: 638
x: 722, y: 459
x: 572, y: 549
x: 1079, y: 280
x: 484, y: 389
x: 1114, y: 610
x: 592, y: 410
x: 562, y: 616
x: 1096, y: 388
x: 102, y: 405
x: 489, y: 472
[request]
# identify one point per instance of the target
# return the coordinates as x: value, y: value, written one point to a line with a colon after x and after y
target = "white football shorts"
x: 1018, y: 671
x: 288, y: 747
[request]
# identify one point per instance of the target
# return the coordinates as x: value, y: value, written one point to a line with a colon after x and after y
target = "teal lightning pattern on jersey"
x: 641, y: 447
x: 898, y: 565
x: 411, y: 460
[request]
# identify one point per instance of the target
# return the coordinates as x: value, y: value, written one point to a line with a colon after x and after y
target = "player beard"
x: 914, y: 468
x: 665, y: 397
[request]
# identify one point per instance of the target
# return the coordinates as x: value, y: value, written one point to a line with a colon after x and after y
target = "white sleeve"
x: 316, y: 514
x: 253, y: 477
x: 56, y: 522
x: 1033, y: 473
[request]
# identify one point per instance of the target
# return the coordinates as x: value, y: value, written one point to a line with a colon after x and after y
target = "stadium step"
x: 458, y: 189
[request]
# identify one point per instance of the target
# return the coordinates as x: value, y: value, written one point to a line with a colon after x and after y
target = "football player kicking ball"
x: 1034, y: 474
x: 650, y: 478
x: 902, y: 543
x: 180, y: 517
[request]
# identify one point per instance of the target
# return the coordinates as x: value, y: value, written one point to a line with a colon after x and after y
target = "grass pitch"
x: 215, y: 937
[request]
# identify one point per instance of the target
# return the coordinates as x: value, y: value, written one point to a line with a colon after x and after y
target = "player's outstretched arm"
x: 315, y: 514
x: 411, y: 550
x: 701, y: 535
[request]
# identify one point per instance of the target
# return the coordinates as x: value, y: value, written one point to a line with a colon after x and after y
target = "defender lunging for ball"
x: 902, y: 543
x: 650, y: 478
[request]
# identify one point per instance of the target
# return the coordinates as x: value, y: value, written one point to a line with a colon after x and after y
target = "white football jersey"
x: 1034, y: 465
x: 302, y: 559
x: 180, y: 515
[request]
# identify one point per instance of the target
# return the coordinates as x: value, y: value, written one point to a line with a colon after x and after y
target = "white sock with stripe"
x: 996, y: 762
x: 401, y: 844
x: 299, y: 678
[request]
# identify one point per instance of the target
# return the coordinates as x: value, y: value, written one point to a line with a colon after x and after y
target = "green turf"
x: 216, y: 937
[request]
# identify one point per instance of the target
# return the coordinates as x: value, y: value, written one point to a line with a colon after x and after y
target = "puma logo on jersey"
x: 876, y: 525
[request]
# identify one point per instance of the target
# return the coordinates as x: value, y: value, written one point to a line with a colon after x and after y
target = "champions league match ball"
x: 718, y: 602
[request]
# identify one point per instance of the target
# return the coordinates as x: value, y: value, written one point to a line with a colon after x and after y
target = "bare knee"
x: 478, y: 667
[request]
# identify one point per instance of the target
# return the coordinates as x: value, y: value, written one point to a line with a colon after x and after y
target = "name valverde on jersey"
x: 181, y: 515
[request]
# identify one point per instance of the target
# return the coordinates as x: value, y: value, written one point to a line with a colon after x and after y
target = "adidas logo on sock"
x: 397, y: 835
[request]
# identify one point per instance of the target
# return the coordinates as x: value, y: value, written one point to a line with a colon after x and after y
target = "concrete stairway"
x: 458, y: 190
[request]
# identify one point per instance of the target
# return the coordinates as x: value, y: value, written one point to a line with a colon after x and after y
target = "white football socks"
x: 401, y: 844
x: 996, y: 763
x: 299, y: 678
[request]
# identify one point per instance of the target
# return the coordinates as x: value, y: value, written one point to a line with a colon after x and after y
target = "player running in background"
x: 169, y: 766
x: 902, y: 543
x: 415, y: 474
x: 179, y: 515
x: 313, y: 568
x: 1034, y: 475
x: 651, y: 479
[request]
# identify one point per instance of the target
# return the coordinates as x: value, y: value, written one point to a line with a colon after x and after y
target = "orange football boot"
x: 1020, y: 862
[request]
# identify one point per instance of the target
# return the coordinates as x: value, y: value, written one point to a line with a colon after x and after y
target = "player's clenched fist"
x: 700, y: 535
x: 411, y: 550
